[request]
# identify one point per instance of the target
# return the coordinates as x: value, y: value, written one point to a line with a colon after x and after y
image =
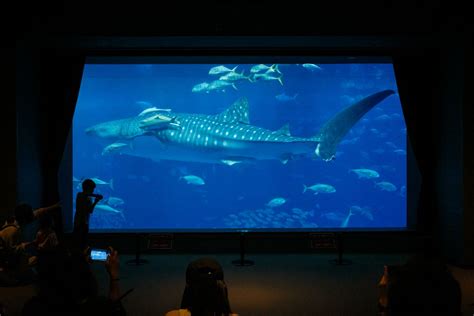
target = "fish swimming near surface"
x: 200, y: 87
x: 108, y: 209
x: 114, y: 201
x: 234, y: 76
x: 365, y: 173
x: 276, y: 202
x: 192, y: 179
x: 311, y: 67
x: 267, y: 69
x: 285, y: 98
x: 267, y: 77
x: 386, y: 186
x: 221, y: 69
x: 319, y: 188
x: 113, y: 148
x: 98, y: 181
x: 220, y: 85
x: 229, y: 137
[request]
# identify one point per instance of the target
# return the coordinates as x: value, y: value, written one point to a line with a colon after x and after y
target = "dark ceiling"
x: 140, y: 18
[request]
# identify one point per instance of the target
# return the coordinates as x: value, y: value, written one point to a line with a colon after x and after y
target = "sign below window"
x: 322, y: 241
x: 160, y: 241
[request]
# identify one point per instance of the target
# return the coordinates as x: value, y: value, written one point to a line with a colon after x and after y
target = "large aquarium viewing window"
x: 234, y: 143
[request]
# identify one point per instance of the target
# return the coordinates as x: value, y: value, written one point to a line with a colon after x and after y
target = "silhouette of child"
x: 84, y: 208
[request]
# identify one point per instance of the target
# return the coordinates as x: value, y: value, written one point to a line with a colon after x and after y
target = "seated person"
x: 46, y: 238
x: 25, y: 220
x: 9, y: 232
x: 423, y: 286
x: 205, y: 292
x: 15, y: 262
x: 8, y: 255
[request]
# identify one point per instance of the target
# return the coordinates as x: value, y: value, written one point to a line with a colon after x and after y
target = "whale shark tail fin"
x: 337, y: 127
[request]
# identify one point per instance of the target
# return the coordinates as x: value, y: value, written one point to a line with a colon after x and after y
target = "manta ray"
x: 228, y: 137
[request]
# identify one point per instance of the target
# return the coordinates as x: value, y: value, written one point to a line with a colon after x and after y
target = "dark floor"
x: 276, y: 285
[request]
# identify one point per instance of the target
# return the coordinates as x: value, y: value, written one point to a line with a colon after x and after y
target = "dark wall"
x: 428, y: 36
x: 29, y: 173
x: 468, y: 156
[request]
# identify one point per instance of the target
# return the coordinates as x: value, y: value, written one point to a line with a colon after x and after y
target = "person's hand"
x: 87, y: 254
x: 383, y: 283
x: 24, y: 245
x: 112, y: 263
x: 384, y: 279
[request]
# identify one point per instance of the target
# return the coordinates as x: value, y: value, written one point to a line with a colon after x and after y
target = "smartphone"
x: 99, y: 254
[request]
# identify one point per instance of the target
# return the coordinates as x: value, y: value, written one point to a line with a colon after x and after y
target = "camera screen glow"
x: 98, y: 255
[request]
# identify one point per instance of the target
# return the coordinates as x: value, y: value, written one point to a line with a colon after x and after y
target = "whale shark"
x: 228, y: 137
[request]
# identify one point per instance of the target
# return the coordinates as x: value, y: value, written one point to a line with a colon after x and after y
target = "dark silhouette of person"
x: 27, y: 221
x: 46, y: 238
x: 205, y: 292
x: 423, y: 286
x: 84, y: 208
x: 67, y: 286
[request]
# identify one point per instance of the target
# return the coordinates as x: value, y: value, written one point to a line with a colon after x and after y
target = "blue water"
x: 156, y: 197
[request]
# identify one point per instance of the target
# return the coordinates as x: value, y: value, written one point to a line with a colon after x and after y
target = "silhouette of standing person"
x: 84, y: 208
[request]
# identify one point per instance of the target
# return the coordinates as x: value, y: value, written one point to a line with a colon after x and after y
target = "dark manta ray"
x: 229, y: 137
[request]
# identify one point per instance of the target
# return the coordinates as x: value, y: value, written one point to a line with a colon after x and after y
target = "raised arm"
x: 112, y: 265
x: 39, y: 211
x: 96, y: 200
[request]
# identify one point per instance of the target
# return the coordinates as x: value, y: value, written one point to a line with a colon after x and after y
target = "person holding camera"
x: 84, y: 208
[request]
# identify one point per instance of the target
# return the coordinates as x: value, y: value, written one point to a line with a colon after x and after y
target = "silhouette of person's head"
x: 206, y: 291
x: 88, y: 186
x: 24, y: 213
x: 423, y: 286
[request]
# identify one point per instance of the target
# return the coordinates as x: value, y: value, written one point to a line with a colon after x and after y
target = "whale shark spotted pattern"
x: 229, y: 137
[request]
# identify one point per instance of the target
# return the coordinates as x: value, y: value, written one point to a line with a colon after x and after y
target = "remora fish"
x: 229, y: 137
x: 129, y: 128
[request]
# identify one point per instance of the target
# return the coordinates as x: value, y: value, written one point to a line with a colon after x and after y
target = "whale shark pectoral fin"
x: 285, y: 158
x: 230, y: 162
x: 337, y: 127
